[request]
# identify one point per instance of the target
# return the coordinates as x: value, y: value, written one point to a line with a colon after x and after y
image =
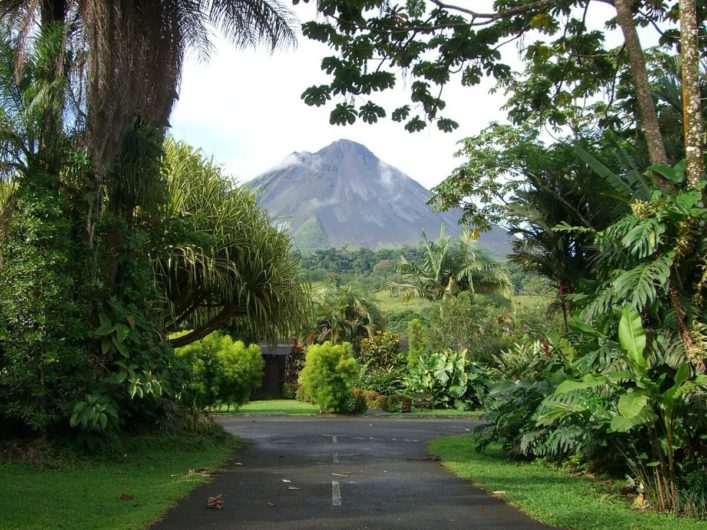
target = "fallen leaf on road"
x: 293, y: 488
x: 215, y: 502
x: 126, y: 497
x: 270, y: 503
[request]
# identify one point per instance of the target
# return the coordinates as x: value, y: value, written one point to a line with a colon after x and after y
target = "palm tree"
x: 226, y: 261
x: 345, y: 315
x: 130, y: 52
x: 449, y: 268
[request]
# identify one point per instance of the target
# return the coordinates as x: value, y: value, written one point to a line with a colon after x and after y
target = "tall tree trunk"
x: 648, y: 117
x: 691, y: 104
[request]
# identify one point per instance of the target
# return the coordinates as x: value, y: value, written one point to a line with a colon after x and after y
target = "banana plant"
x: 642, y: 400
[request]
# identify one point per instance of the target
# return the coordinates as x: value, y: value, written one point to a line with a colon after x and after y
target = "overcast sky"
x: 244, y: 109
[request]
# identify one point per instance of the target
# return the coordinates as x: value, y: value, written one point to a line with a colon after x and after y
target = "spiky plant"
x: 226, y: 261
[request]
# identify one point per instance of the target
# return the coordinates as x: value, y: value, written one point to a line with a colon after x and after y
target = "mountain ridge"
x: 343, y: 194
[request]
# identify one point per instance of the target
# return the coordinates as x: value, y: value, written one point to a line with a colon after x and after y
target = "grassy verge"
x: 550, y: 495
x: 446, y: 413
x: 274, y: 407
x: 150, y: 477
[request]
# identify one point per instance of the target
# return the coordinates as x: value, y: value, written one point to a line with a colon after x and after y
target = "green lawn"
x: 153, y: 471
x: 550, y: 495
x: 274, y: 407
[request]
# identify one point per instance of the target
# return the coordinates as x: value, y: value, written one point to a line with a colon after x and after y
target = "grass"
x: 274, y: 407
x: 388, y: 302
x: 550, y: 495
x: 152, y: 475
x: 447, y: 413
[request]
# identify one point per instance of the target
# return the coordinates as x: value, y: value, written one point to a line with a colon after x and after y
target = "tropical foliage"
x: 449, y: 268
x: 328, y: 376
x: 221, y: 371
x: 111, y: 238
x: 448, y: 379
x: 343, y: 315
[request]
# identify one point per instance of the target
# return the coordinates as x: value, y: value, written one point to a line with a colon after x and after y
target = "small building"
x: 275, y: 357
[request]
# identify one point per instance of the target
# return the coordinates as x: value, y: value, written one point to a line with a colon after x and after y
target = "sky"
x: 243, y: 107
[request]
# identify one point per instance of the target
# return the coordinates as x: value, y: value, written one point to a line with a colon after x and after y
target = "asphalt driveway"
x: 333, y: 472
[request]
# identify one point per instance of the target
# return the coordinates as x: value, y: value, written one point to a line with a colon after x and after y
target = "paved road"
x: 351, y: 473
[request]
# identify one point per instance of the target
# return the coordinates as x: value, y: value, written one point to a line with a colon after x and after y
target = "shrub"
x: 397, y: 404
x: 384, y: 381
x: 449, y: 380
x: 294, y: 364
x: 289, y: 390
x: 358, y: 403
x: 381, y: 351
x: 328, y: 375
x: 399, y: 321
x: 380, y: 402
x: 221, y: 370
x: 371, y: 397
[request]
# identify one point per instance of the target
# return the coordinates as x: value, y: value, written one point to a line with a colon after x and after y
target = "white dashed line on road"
x: 335, y: 493
x: 336, y: 457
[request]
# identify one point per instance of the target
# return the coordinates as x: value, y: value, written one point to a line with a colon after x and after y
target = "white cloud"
x: 244, y: 108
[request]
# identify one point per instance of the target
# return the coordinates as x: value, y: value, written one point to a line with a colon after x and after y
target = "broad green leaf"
x: 632, y: 336
x: 675, y: 174
x: 121, y: 332
x: 682, y: 374
x: 122, y: 349
x: 611, y: 178
x: 632, y: 404
x: 621, y: 424
x: 582, y: 327
x: 104, y: 329
x: 588, y: 381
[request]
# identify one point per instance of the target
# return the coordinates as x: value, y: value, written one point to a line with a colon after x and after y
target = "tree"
x: 121, y: 80
x: 432, y: 40
x: 509, y: 176
x: 225, y: 261
x: 449, y: 268
x: 343, y: 315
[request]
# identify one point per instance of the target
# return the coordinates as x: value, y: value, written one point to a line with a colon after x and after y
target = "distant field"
x: 389, y: 303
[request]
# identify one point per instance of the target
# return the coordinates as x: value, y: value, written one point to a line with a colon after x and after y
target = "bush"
x: 479, y: 324
x: 222, y: 371
x: 381, y: 351
x: 397, y: 404
x: 371, y: 398
x: 399, y: 321
x: 289, y: 390
x: 328, y: 375
x: 389, y: 382
x: 449, y: 380
x: 358, y: 403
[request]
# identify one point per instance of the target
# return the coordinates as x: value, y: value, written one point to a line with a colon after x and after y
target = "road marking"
x: 335, y: 493
x: 333, y: 439
x: 336, y: 457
